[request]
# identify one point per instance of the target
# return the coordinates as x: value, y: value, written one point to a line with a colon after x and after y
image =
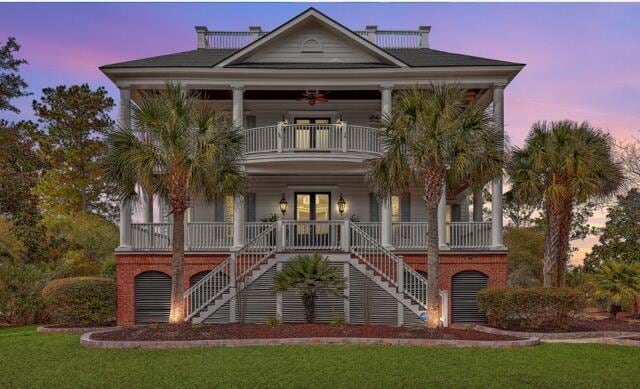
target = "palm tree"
x: 432, y: 138
x: 177, y: 148
x: 615, y: 285
x: 308, y: 275
x: 562, y: 164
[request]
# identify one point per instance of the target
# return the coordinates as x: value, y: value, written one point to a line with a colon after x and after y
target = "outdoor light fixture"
x: 283, y: 205
x: 341, y: 204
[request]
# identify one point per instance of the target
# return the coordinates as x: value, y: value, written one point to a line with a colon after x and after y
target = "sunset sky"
x: 582, y: 59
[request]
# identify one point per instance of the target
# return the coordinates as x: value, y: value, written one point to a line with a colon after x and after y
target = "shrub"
x: 530, y: 309
x: 615, y: 286
x: 339, y: 321
x: 20, y: 293
x: 81, y: 300
x: 76, y: 264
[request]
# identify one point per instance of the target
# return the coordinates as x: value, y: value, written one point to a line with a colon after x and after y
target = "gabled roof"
x: 311, y: 14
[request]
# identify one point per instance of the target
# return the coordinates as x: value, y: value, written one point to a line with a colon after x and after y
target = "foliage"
x: 308, y: 275
x: 108, y: 269
x: 20, y: 169
x: 339, y: 321
x: 94, y: 236
x: 11, y: 248
x: 615, y: 286
x: 524, y: 259
x: 76, y: 119
x: 20, y: 299
x: 620, y: 238
x: 432, y: 138
x: 530, y: 308
x: 562, y: 164
x: 577, y: 278
x: 81, y: 300
x: 12, y: 85
x: 274, y: 322
x: 76, y: 264
x: 180, y: 148
x: 629, y: 155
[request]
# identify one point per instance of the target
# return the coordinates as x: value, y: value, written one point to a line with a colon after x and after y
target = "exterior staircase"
x: 385, y: 269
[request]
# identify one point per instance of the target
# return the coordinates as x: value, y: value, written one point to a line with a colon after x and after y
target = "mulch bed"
x: 584, y: 325
x: 263, y: 331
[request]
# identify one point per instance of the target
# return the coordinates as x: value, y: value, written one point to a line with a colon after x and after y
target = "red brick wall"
x: 129, y: 265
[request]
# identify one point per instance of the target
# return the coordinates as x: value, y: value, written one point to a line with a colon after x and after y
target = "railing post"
x: 400, y: 274
x: 201, y: 32
x: 344, y: 236
x: 344, y: 136
x: 279, y: 137
x: 232, y: 286
x: 279, y: 235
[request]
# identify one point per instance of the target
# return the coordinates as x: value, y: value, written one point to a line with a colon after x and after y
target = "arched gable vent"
x: 311, y: 45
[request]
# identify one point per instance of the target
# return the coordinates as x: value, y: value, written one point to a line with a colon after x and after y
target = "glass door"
x: 311, y: 208
x: 310, y: 135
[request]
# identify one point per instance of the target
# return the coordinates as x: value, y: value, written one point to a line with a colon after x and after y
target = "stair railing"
x: 231, y: 272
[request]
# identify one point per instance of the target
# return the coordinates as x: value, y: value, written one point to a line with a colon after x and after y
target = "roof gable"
x: 312, y: 37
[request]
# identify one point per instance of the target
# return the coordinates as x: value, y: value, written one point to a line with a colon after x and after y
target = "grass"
x: 29, y: 359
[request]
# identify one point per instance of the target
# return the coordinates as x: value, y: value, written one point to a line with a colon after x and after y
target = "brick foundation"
x: 129, y: 265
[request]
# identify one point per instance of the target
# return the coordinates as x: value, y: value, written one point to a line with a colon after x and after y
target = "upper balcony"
x: 321, y: 138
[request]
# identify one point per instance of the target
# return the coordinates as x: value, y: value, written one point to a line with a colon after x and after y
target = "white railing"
x: 409, y: 235
x: 415, y: 286
x: 315, y: 137
x: 204, y: 236
x: 311, y: 137
x: 231, y: 39
x: 253, y: 229
x: 370, y: 251
x: 373, y: 229
x: 312, y: 234
x: 473, y: 235
x: 151, y: 236
x: 231, y: 273
x: 398, y: 39
x: 261, y: 139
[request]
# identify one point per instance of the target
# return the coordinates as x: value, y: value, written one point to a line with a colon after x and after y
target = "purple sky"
x: 582, y: 59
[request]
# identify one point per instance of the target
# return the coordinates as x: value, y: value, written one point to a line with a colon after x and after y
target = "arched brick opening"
x: 152, y: 292
x: 465, y: 286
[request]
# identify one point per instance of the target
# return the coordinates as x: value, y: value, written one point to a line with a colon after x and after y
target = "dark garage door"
x: 153, y: 297
x: 464, y: 291
x: 197, y: 277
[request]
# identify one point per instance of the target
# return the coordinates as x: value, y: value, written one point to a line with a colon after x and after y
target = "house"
x: 307, y: 95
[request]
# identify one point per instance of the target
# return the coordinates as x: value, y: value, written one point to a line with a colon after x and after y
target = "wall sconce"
x: 283, y: 205
x: 341, y: 204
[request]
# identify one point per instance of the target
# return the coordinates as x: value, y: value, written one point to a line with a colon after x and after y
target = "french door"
x: 311, y: 209
x: 310, y: 134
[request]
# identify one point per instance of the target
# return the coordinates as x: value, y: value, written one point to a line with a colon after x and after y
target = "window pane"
x: 395, y: 209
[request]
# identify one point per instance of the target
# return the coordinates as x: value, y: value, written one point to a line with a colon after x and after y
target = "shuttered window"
x: 464, y: 292
x: 405, y: 208
x: 374, y: 208
x: 152, y: 297
x: 250, y: 207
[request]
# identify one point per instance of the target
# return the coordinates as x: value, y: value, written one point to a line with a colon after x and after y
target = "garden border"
x: 556, y: 335
x: 73, y: 330
x: 86, y: 341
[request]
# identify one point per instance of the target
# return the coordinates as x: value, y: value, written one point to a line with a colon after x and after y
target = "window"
x: 396, y: 216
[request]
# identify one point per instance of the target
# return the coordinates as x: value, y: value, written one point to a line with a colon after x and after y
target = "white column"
x: 125, y: 225
x: 147, y: 208
x: 385, y: 222
x: 124, y: 119
x: 442, y: 220
x: 385, y: 99
x: 238, y: 105
x: 478, y: 202
x: 496, y: 185
x: 238, y: 221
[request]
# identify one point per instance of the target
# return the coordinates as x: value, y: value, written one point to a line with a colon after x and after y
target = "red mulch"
x: 583, y: 325
x: 263, y: 331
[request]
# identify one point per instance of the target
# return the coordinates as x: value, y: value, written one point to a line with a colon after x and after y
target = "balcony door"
x: 310, y: 207
x: 310, y: 134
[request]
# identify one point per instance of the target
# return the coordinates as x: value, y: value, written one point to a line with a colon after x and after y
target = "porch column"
x: 238, y: 105
x: 442, y: 220
x: 478, y: 202
x: 147, y: 208
x: 124, y: 119
x: 496, y: 185
x: 385, y: 99
x: 385, y: 222
x: 238, y: 222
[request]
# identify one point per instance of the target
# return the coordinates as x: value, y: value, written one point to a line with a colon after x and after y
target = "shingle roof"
x: 412, y: 57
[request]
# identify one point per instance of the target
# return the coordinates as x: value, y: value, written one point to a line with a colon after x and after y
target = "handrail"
x: 312, y: 234
x: 231, y: 272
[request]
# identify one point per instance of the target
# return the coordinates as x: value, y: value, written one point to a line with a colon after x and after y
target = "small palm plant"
x: 615, y: 285
x: 308, y: 275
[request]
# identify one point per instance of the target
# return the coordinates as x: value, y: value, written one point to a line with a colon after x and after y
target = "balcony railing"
x: 307, y: 235
x: 312, y: 137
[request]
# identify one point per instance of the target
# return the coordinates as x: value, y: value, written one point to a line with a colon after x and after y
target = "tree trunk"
x: 552, y: 244
x: 566, y: 214
x: 177, y: 313
x: 309, y: 302
x: 432, y: 192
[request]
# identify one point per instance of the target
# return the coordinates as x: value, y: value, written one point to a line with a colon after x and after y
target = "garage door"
x: 464, y: 291
x: 153, y: 297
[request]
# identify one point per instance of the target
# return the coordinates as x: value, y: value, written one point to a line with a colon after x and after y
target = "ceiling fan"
x: 313, y: 96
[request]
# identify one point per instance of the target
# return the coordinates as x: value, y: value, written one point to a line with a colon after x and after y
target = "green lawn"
x: 28, y: 359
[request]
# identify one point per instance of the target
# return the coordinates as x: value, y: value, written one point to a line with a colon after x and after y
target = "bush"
x: 20, y: 293
x: 81, y: 300
x: 76, y: 264
x: 530, y: 309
